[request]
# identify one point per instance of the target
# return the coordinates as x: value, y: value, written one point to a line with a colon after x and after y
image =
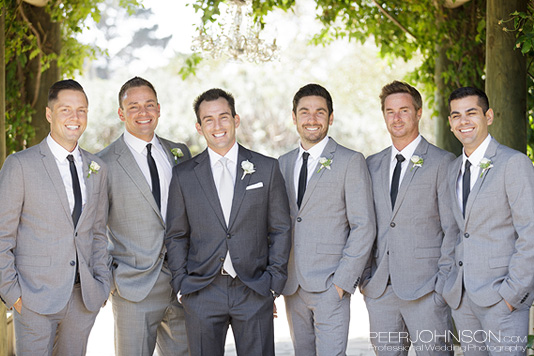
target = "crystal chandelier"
x: 237, y: 36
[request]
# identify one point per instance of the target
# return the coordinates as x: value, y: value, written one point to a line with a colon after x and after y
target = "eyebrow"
x: 468, y: 110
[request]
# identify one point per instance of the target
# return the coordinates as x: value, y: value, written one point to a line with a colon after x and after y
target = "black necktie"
x: 154, y: 176
x: 466, y: 185
x: 396, y: 177
x: 77, y: 211
x: 303, y: 178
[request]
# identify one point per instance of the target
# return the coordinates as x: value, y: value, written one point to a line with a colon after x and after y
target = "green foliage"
x: 28, y: 43
x: 522, y: 24
x: 190, y: 65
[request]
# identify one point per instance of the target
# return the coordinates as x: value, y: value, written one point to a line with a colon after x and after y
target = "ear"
x: 48, y: 114
x: 331, y: 119
x: 419, y: 113
x: 199, y: 129
x: 237, y: 121
x: 489, y: 116
x: 294, y: 117
x: 121, y: 114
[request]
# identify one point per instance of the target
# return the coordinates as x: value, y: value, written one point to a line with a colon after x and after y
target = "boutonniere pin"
x: 485, y: 164
x: 177, y: 154
x: 248, y: 168
x: 325, y: 163
x: 93, y: 168
x: 417, y: 161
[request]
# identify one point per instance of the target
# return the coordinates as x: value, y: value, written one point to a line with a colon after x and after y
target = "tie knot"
x: 400, y: 158
x: 70, y: 158
x: 305, y: 156
x: 467, y: 164
x: 149, y: 148
x: 223, y: 161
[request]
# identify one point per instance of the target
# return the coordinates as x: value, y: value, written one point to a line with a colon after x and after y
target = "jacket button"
x: 392, y: 224
x: 228, y: 236
x: 460, y: 263
x: 466, y: 235
x: 72, y: 263
x: 299, y: 219
x: 387, y: 253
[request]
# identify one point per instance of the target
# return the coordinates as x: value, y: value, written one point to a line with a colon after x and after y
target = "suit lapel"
x: 455, y: 173
x: 290, y: 177
x: 385, y: 164
x: 49, y: 162
x: 421, y: 151
x: 129, y: 164
x: 89, y: 184
x: 490, y: 153
x: 205, y: 179
x: 328, y: 152
x: 167, y: 148
x: 240, y: 184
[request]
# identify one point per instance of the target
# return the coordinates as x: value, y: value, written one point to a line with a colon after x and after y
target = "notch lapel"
x: 328, y: 152
x: 205, y: 179
x: 89, y: 185
x: 129, y: 164
x: 290, y: 176
x: 490, y: 153
x: 385, y: 163
x: 49, y: 162
x: 240, y: 184
x: 456, y: 209
x: 421, y: 151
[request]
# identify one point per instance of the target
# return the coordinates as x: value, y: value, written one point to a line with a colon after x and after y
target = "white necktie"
x: 226, y: 195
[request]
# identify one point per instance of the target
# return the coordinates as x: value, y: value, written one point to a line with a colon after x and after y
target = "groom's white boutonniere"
x: 325, y: 163
x: 93, y: 168
x: 417, y: 161
x: 177, y: 154
x: 248, y: 168
x: 484, y: 165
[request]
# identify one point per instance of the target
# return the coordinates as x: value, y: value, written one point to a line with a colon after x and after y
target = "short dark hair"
x: 134, y: 83
x: 461, y: 93
x: 212, y: 95
x: 313, y: 90
x: 67, y: 84
x: 396, y: 87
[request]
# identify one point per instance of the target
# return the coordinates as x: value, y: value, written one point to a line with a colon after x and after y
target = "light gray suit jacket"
x: 334, y: 229
x: 136, y: 229
x: 257, y: 235
x: 410, y: 236
x: 493, y: 256
x: 38, y: 241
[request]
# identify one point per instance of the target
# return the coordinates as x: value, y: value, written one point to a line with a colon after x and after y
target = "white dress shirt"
x: 407, y: 153
x: 315, y: 154
x: 139, y: 151
x: 216, y: 170
x: 60, y: 154
x: 475, y: 159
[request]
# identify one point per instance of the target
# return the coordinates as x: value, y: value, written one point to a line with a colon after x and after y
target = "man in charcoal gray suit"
x: 333, y: 228
x: 146, y: 312
x: 491, y: 285
x: 404, y: 280
x: 228, y: 236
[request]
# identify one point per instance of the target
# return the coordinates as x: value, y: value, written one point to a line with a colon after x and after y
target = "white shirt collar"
x: 60, y: 153
x: 231, y: 155
x: 316, y: 150
x: 478, y: 154
x: 137, y: 144
x: 408, y: 151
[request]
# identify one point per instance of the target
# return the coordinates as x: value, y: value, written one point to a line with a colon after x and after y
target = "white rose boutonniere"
x: 485, y: 164
x: 93, y: 168
x: 248, y: 168
x: 325, y: 163
x: 177, y: 154
x: 417, y: 161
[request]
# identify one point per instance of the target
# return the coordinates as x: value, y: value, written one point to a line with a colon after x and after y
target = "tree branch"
x: 394, y: 20
x: 39, y: 56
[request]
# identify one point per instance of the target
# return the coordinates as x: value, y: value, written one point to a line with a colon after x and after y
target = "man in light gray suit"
x: 333, y: 227
x: 404, y: 279
x: 228, y: 236
x: 490, y: 286
x: 146, y: 311
x: 53, y: 257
